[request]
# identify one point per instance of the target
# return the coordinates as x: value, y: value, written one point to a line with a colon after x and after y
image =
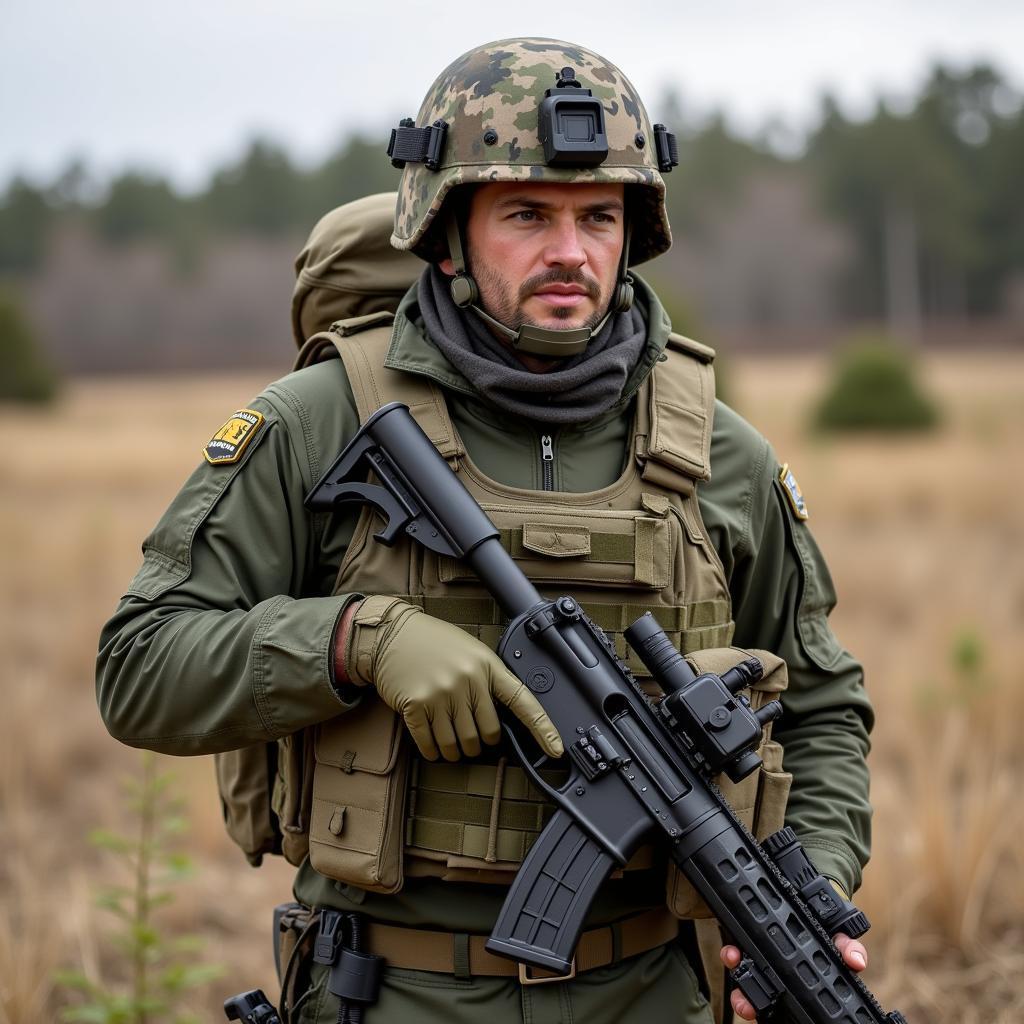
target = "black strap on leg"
x: 355, y: 974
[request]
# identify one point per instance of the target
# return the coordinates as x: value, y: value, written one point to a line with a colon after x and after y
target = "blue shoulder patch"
x: 793, y: 492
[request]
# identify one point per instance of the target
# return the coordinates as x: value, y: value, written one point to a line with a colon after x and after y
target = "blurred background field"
x: 850, y: 173
x: 924, y: 536
x: 906, y: 216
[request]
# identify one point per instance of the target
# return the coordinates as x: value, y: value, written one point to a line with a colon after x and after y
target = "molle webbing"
x: 695, y: 627
x: 490, y: 812
x: 583, y: 545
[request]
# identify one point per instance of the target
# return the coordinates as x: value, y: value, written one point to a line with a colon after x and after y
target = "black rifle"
x: 640, y: 771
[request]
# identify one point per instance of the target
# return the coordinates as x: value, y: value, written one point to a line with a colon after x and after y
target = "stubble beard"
x: 501, y: 302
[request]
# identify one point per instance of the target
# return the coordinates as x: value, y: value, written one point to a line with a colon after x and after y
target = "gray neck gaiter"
x: 582, y: 387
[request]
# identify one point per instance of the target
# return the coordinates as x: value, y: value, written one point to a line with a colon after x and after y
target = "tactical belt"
x: 464, y: 956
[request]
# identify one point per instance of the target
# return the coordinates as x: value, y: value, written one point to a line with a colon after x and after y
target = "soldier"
x: 548, y: 376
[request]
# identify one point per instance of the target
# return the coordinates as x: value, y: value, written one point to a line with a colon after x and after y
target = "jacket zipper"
x: 547, y: 463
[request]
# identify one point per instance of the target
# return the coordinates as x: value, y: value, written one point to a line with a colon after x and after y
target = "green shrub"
x: 25, y: 374
x: 157, y: 972
x: 874, y: 387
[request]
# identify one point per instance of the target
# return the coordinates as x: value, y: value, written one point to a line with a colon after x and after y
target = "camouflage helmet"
x: 480, y: 122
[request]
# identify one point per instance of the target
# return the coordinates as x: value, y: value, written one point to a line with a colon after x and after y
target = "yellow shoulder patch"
x: 227, y: 445
x: 793, y: 492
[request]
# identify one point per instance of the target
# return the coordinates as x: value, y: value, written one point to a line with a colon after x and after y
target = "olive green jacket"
x: 225, y: 636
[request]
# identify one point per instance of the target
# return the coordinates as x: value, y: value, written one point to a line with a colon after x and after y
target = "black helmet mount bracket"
x: 570, y: 124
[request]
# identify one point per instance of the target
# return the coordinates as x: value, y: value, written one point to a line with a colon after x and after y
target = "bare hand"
x: 855, y: 956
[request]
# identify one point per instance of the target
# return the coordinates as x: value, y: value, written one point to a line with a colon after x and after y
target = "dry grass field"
x: 925, y: 538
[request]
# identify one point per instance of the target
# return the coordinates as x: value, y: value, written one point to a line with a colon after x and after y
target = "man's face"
x: 544, y: 254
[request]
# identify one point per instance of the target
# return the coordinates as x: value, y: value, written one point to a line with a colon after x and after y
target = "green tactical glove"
x: 442, y: 681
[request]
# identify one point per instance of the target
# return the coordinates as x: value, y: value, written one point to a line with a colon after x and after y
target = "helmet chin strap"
x: 533, y: 340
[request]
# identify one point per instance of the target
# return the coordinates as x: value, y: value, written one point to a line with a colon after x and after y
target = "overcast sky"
x: 181, y: 86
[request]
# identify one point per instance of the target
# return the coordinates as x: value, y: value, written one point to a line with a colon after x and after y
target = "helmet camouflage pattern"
x: 490, y: 99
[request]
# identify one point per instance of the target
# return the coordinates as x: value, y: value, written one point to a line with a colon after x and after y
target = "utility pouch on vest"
x: 619, y: 563
x: 359, y: 794
x: 596, y: 547
x: 264, y: 794
x: 292, y: 793
x: 759, y: 800
x: 244, y: 783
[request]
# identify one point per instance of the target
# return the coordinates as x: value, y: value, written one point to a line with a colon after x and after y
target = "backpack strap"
x: 362, y: 344
x: 320, y: 346
x: 673, y: 439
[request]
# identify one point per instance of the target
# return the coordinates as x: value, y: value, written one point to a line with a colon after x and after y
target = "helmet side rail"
x: 640, y: 771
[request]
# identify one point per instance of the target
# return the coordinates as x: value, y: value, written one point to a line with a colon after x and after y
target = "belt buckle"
x: 526, y: 979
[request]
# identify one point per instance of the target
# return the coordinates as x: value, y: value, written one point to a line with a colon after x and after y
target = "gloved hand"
x: 442, y: 681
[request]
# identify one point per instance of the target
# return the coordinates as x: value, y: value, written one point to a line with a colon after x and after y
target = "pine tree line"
x: 927, y: 194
